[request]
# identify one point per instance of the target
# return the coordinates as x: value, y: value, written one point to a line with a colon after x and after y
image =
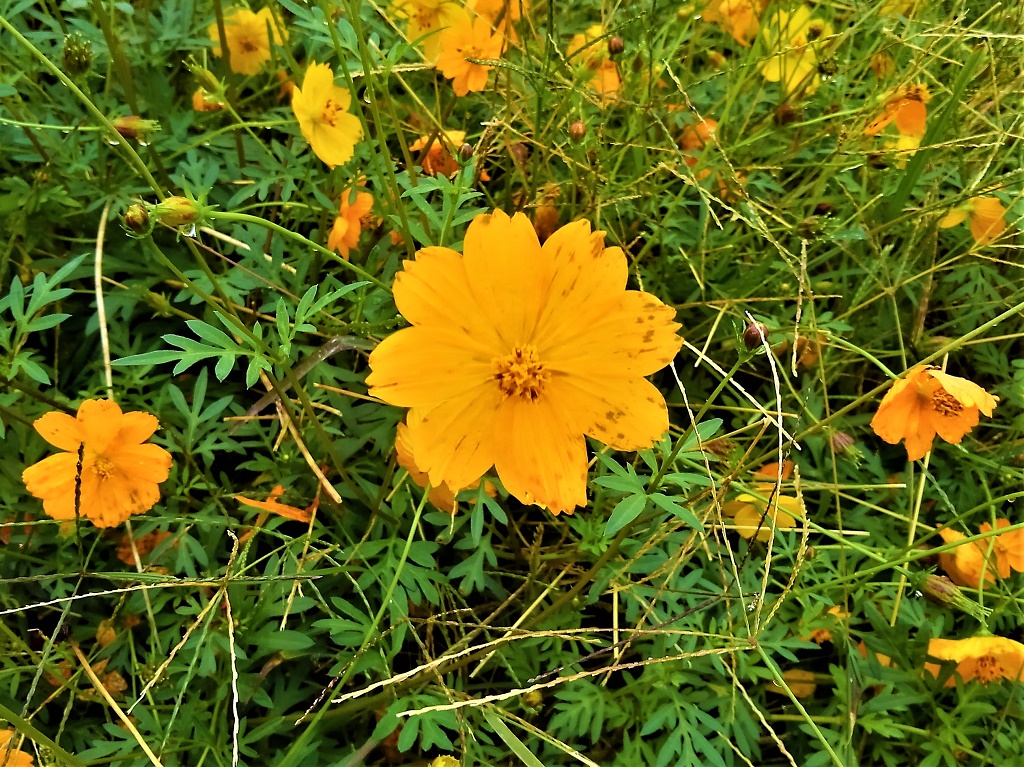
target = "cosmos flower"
x: 601, y: 73
x: 120, y: 472
x: 11, y: 756
x: 738, y: 18
x: 249, y: 37
x: 987, y: 216
x: 352, y: 215
x: 926, y: 402
x: 518, y: 351
x: 987, y: 659
x: 426, y: 19
x: 321, y: 108
x: 468, y: 39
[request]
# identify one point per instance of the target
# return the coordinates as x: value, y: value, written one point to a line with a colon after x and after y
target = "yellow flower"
x: 600, y: 73
x: 987, y: 659
x: 517, y: 351
x: 10, y: 756
x: 349, y: 223
x: 988, y: 218
x: 739, y: 18
x: 926, y: 402
x: 119, y: 474
x: 321, y: 108
x: 822, y: 635
x: 249, y: 36
x: 791, y: 42
x: 468, y: 39
x: 748, y: 509
x: 426, y: 19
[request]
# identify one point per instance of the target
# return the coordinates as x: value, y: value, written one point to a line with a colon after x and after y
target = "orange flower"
x: 986, y: 659
x: 695, y: 137
x: 601, y: 73
x: 119, y: 474
x: 822, y: 635
x: 517, y: 351
x: 988, y: 218
x: 965, y: 563
x: 11, y: 756
x: 249, y: 37
x: 506, y: 10
x: 739, y: 18
x: 883, y: 660
x: 321, y: 108
x: 204, y: 102
x: 994, y: 556
x: 926, y: 402
x: 144, y: 544
x: 468, y: 39
x: 274, y: 507
x: 426, y: 20
x: 438, y: 160
x: 801, y: 683
x: 352, y: 216
x: 907, y: 108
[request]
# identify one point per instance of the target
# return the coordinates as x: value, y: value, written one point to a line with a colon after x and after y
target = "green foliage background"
x: 642, y: 630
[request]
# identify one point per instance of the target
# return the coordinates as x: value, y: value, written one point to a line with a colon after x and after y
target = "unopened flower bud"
x: 520, y: 153
x: 577, y: 131
x: 785, y: 114
x: 77, y: 55
x: 754, y: 335
x: 615, y: 46
x: 178, y: 211
x: 942, y: 591
x: 466, y: 152
x: 202, y: 101
x: 136, y: 220
x: 841, y: 442
x: 134, y: 127
x: 533, y: 698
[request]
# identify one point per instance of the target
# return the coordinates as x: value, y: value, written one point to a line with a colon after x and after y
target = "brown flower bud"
x: 786, y: 114
x: 841, y: 441
x: 520, y: 153
x: 466, y: 152
x: 754, y: 335
x: 942, y: 591
x: 615, y: 46
x: 136, y: 220
x: 577, y: 131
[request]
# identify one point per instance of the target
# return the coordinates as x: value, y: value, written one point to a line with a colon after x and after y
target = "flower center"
x: 103, y: 467
x: 988, y: 669
x: 330, y: 113
x: 945, y: 404
x: 427, y: 18
x: 249, y: 46
x: 520, y: 373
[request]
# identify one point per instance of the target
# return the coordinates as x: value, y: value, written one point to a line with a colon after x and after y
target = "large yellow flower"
x: 321, y: 108
x: 926, y: 402
x: 517, y: 351
x: 249, y: 36
x: 987, y: 659
x: 791, y: 39
x: 119, y: 474
x: 987, y: 215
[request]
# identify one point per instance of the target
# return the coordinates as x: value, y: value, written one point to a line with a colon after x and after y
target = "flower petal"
x: 455, y: 442
x: 60, y: 430
x: 53, y: 476
x: 136, y: 427
x: 422, y: 366
x: 967, y: 393
x: 142, y: 463
x: 508, y: 272
x: 540, y: 458
x: 624, y: 413
x: 101, y: 421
